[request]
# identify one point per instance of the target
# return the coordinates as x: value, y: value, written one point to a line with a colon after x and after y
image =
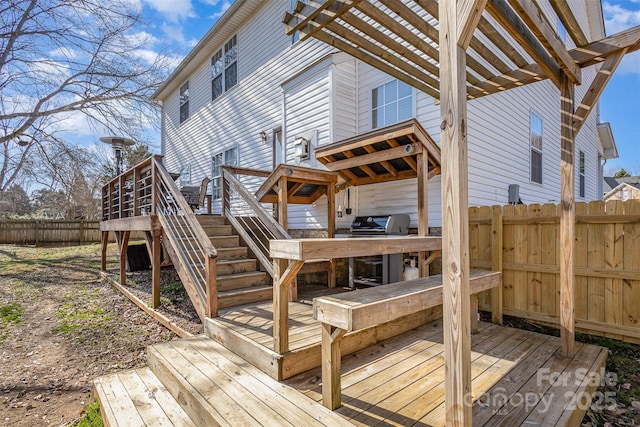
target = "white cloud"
x: 618, y: 18
x: 173, y: 10
x: 630, y: 64
x: 224, y: 5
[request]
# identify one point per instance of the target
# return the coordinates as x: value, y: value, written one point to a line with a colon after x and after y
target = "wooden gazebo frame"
x: 454, y: 50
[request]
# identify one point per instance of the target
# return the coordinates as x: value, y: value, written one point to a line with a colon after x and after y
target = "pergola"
x: 456, y: 50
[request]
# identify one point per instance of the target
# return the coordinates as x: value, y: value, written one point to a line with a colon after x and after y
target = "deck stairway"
x: 197, y: 382
x: 238, y: 279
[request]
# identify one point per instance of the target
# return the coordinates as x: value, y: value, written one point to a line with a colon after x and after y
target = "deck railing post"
x: 211, y: 286
x: 280, y: 307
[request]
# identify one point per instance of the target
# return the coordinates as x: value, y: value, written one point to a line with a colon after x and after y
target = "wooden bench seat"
x: 364, y: 308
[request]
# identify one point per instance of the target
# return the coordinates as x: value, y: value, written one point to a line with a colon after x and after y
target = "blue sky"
x: 179, y: 24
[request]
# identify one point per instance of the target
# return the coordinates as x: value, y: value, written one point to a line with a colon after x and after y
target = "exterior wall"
x: 311, y: 92
x: 632, y: 192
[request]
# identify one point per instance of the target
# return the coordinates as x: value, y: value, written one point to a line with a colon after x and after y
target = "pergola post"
x: 423, y: 208
x: 455, y: 218
x: 567, y: 217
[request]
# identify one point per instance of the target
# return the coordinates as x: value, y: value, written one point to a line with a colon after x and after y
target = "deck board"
x: 400, y: 381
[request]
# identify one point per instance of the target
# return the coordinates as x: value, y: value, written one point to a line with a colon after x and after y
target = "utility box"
x: 514, y: 194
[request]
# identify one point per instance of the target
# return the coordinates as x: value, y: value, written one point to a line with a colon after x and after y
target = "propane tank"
x: 410, y: 271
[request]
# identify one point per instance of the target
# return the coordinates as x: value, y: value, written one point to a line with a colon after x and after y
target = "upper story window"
x: 224, y: 68
x: 184, y: 102
x: 535, y: 140
x: 581, y: 176
x: 391, y: 103
x: 562, y: 32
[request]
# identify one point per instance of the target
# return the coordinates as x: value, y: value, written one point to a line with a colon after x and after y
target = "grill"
x: 380, y: 225
x: 381, y: 269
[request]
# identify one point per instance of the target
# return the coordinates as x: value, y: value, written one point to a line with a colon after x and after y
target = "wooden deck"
x: 400, y: 381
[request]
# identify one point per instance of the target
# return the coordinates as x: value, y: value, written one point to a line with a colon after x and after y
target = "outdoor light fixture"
x: 118, y: 143
x: 264, y: 137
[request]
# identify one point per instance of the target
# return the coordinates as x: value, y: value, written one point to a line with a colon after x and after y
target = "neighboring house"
x: 624, y: 189
x: 247, y: 91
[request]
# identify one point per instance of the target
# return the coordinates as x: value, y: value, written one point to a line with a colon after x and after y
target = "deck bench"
x: 364, y: 308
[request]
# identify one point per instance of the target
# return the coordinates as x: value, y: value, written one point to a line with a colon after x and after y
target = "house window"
x: 185, y: 175
x: 391, y: 103
x: 535, y: 139
x: 228, y: 157
x: 224, y: 68
x: 581, y: 178
x: 624, y: 194
x: 184, y: 102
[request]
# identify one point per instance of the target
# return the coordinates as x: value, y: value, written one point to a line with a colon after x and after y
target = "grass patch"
x: 92, y: 416
x: 75, y: 318
x: 10, y: 314
x: 174, y: 292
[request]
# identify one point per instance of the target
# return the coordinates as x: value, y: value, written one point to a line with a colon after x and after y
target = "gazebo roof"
x: 385, y: 154
x: 304, y: 185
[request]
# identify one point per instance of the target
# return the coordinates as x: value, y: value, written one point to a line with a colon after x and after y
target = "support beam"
x: 469, y: 14
x: 598, y: 50
x: 592, y: 95
x: 105, y: 243
x: 455, y: 220
x: 563, y: 10
x: 123, y: 243
x: 284, y: 273
x: 546, y: 34
x: 506, y: 17
x: 423, y: 208
x: 282, y: 203
x: 155, y: 268
x: 331, y: 364
x: 567, y: 219
x: 211, y: 286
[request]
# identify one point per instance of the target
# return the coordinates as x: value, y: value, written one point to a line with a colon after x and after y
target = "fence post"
x: 36, y: 233
x: 81, y: 233
x: 496, y: 263
x: 211, y: 285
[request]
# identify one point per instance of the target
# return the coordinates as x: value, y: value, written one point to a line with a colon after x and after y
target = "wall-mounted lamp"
x: 301, y: 148
x: 264, y: 137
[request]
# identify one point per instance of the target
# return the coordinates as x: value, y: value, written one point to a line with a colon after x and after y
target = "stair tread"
x: 138, y: 398
x: 241, y: 274
x: 252, y: 289
x: 234, y: 260
x: 230, y: 391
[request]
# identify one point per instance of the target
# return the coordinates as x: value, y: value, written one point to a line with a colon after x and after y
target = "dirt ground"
x: 60, y: 327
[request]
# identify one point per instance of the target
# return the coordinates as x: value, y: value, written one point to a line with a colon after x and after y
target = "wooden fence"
x: 50, y: 232
x: 607, y: 256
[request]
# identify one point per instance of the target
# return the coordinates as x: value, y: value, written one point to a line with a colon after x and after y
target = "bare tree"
x: 63, y: 58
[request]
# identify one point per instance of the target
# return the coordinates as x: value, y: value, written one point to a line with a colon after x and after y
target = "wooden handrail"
x: 247, y: 171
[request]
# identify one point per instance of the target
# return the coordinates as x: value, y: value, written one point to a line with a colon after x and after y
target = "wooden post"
x: 105, y: 242
x: 36, y: 236
x: 331, y: 363
x: 81, y: 233
x: 567, y: 217
x: 455, y: 219
x: 155, y: 268
x: 212, y: 286
x: 332, y: 273
x: 225, y: 195
x: 280, y: 308
x: 473, y: 309
x: 423, y: 209
x: 496, y: 264
x: 136, y: 192
x: 123, y: 242
x: 282, y: 202
x: 331, y: 230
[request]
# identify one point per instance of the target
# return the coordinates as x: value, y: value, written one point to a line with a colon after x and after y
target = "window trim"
x: 221, y: 56
x: 184, y: 102
x: 382, y: 84
x: 533, y: 148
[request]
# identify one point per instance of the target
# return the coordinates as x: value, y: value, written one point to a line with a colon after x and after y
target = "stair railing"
x: 196, y: 255
x: 248, y: 216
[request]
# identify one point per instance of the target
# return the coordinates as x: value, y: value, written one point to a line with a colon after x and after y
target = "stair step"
x: 218, y: 230
x: 232, y: 253
x: 239, y: 265
x: 216, y: 387
x: 244, y: 296
x: 248, y: 279
x: 211, y: 220
x: 225, y: 241
x: 137, y: 398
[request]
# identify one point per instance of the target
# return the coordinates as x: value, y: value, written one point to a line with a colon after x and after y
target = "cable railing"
x: 188, y: 240
x: 249, y: 217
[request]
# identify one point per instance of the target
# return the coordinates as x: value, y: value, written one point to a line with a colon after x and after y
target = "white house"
x: 247, y: 91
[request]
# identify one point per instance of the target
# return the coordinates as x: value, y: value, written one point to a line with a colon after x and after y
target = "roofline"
x: 607, y: 142
x: 618, y: 188
x: 221, y: 23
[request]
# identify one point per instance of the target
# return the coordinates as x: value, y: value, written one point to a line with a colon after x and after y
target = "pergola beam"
x: 596, y: 88
x: 510, y: 21
x: 536, y: 21
x: 469, y: 14
x: 598, y: 50
x: 562, y: 9
x: 455, y: 219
